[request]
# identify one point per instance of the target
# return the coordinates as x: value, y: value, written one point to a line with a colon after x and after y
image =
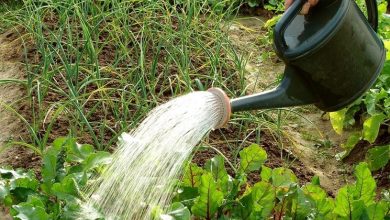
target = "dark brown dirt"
x: 20, y: 157
x: 360, y: 150
x: 11, y: 128
x: 245, y: 9
x: 10, y: 94
x: 382, y: 178
x: 358, y: 154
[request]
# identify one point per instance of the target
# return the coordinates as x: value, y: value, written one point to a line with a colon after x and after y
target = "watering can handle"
x: 372, y: 13
x: 284, y: 22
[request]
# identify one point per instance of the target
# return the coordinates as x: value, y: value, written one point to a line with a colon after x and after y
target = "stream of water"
x: 150, y: 158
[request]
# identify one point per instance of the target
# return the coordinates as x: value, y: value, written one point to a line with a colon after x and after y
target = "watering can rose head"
x: 225, y: 107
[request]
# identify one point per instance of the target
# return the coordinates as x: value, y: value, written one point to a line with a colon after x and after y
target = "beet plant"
x: 66, y: 168
x: 211, y: 193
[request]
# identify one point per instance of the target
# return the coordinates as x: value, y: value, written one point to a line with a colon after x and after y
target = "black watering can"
x: 332, y: 57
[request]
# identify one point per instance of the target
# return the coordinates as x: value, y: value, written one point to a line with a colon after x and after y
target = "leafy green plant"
x: 275, y: 5
x: 211, y: 193
x: 66, y: 168
x: 372, y: 109
x: 220, y: 6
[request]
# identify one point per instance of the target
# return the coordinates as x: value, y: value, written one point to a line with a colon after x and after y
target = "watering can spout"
x: 293, y: 91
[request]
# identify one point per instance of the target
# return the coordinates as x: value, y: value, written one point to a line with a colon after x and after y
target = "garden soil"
x: 10, y: 95
x: 308, y: 148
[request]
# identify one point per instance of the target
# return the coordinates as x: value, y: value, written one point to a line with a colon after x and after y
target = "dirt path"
x: 310, y: 138
x: 10, y: 68
x: 10, y: 94
x: 315, y: 143
x: 12, y: 99
x: 246, y: 33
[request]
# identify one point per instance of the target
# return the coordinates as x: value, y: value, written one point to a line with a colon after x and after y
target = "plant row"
x: 204, y: 193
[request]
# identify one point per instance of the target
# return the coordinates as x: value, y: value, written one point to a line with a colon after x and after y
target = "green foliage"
x: 32, y: 209
x: 357, y: 201
x: 252, y: 158
x: 9, y: 10
x: 337, y: 119
x: 177, y: 211
x: 277, y: 195
x: 378, y: 157
x: 275, y: 5
x: 365, y: 184
x: 91, y: 64
x: 192, y: 175
x: 208, y: 192
x: 220, y: 6
x: 371, y: 127
x: 65, y: 169
x: 372, y: 108
x: 323, y: 206
x: 272, y: 5
x: 209, y: 199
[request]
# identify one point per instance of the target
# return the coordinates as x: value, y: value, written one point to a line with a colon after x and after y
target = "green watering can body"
x: 332, y: 57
